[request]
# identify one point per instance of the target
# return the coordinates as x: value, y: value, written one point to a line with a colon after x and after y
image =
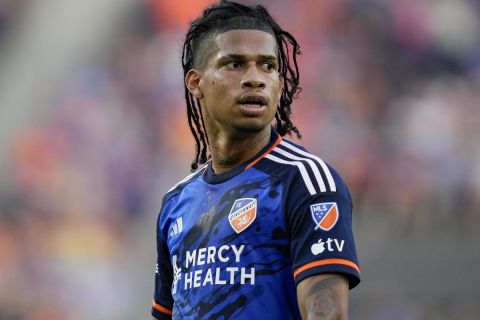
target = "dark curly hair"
x: 222, y: 17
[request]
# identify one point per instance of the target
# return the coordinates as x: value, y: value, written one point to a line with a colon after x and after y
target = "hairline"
x: 208, y: 43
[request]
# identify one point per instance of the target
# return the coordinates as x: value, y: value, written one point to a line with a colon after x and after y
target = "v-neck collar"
x: 211, y: 177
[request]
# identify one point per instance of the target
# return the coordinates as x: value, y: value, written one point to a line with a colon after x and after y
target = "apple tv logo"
x: 319, y: 246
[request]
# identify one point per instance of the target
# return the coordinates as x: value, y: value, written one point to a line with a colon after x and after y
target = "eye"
x: 234, y: 65
x: 268, y: 66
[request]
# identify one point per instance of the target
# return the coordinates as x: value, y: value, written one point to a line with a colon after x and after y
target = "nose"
x: 252, y: 78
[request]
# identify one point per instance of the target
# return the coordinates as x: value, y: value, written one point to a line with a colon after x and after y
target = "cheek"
x: 278, y: 91
x: 276, y: 83
x: 216, y: 92
x: 218, y: 88
x: 209, y: 88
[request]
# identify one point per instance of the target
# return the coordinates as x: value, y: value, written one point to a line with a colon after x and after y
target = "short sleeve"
x: 163, y: 301
x: 321, y: 234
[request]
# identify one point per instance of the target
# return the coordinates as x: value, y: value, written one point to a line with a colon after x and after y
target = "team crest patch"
x: 242, y: 214
x: 325, y: 215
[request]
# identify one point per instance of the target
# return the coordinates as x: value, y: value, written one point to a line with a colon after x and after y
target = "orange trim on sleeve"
x: 325, y: 262
x: 160, y: 308
x: 254, y: 162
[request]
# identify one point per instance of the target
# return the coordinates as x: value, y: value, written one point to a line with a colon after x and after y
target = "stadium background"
x: 93, y: 132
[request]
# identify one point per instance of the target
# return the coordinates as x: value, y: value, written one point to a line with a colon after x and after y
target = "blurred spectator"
x: 391, y: 91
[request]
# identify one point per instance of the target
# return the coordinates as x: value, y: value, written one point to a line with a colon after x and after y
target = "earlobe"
x: 192, y: 82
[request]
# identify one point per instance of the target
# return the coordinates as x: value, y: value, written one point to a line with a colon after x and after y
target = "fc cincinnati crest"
x: 243, y: 213
x: 325, y: 215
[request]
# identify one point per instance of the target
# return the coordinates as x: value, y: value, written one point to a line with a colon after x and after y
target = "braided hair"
x: 222, y: 17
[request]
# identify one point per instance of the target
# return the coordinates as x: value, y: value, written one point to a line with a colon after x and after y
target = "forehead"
x: 245, y: 42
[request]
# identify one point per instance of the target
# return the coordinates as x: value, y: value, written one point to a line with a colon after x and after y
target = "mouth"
x: 252, y: 102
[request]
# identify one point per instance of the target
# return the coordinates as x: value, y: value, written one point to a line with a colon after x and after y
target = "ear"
x: 192, y: 81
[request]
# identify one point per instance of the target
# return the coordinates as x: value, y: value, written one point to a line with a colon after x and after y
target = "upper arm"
x: 322, y: 249
x: 323, y: 297
x: 323, y: 252
x: 162, y: 301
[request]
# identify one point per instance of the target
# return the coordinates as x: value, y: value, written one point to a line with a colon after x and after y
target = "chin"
x: 251, y: 128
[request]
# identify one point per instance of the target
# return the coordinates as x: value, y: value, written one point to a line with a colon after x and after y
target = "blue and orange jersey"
x: 235, y: 245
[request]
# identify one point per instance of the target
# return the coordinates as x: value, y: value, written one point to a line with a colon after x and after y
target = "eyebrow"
x: 261, y: 57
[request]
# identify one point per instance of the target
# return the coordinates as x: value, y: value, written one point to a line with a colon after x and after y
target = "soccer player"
x: 261, y: 229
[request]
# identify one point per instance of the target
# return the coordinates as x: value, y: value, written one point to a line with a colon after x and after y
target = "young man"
x: 262, y: 230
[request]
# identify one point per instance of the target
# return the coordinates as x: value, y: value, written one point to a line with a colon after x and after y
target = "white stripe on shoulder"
x: 188, y: 177
x: 301, y: 167
x: 327, y: 172
x: 314, y: 167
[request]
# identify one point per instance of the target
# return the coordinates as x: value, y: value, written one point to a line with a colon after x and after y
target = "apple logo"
x: 318, y: 247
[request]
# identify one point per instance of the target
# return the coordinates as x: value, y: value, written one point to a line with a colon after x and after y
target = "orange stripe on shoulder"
x: 254, y: 162
x: 325, y: 262
x: 161, y: 308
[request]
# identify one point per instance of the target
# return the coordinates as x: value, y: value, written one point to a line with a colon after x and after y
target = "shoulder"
x: 179, y: 187
x: 305, y: 170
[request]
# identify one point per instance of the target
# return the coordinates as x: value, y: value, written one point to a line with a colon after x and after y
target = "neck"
x: 228, y: 151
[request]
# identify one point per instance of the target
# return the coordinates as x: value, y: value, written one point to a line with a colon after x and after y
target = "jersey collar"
x: 211, y: 177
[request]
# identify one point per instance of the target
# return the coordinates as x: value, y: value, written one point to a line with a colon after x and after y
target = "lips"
x: 252, y: 105
x: 253, y: 100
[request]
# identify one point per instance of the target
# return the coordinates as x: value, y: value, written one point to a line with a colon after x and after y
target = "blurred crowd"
x: 391, y: 93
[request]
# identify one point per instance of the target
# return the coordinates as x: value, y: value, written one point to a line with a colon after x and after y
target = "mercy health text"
x: 226, y: 254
